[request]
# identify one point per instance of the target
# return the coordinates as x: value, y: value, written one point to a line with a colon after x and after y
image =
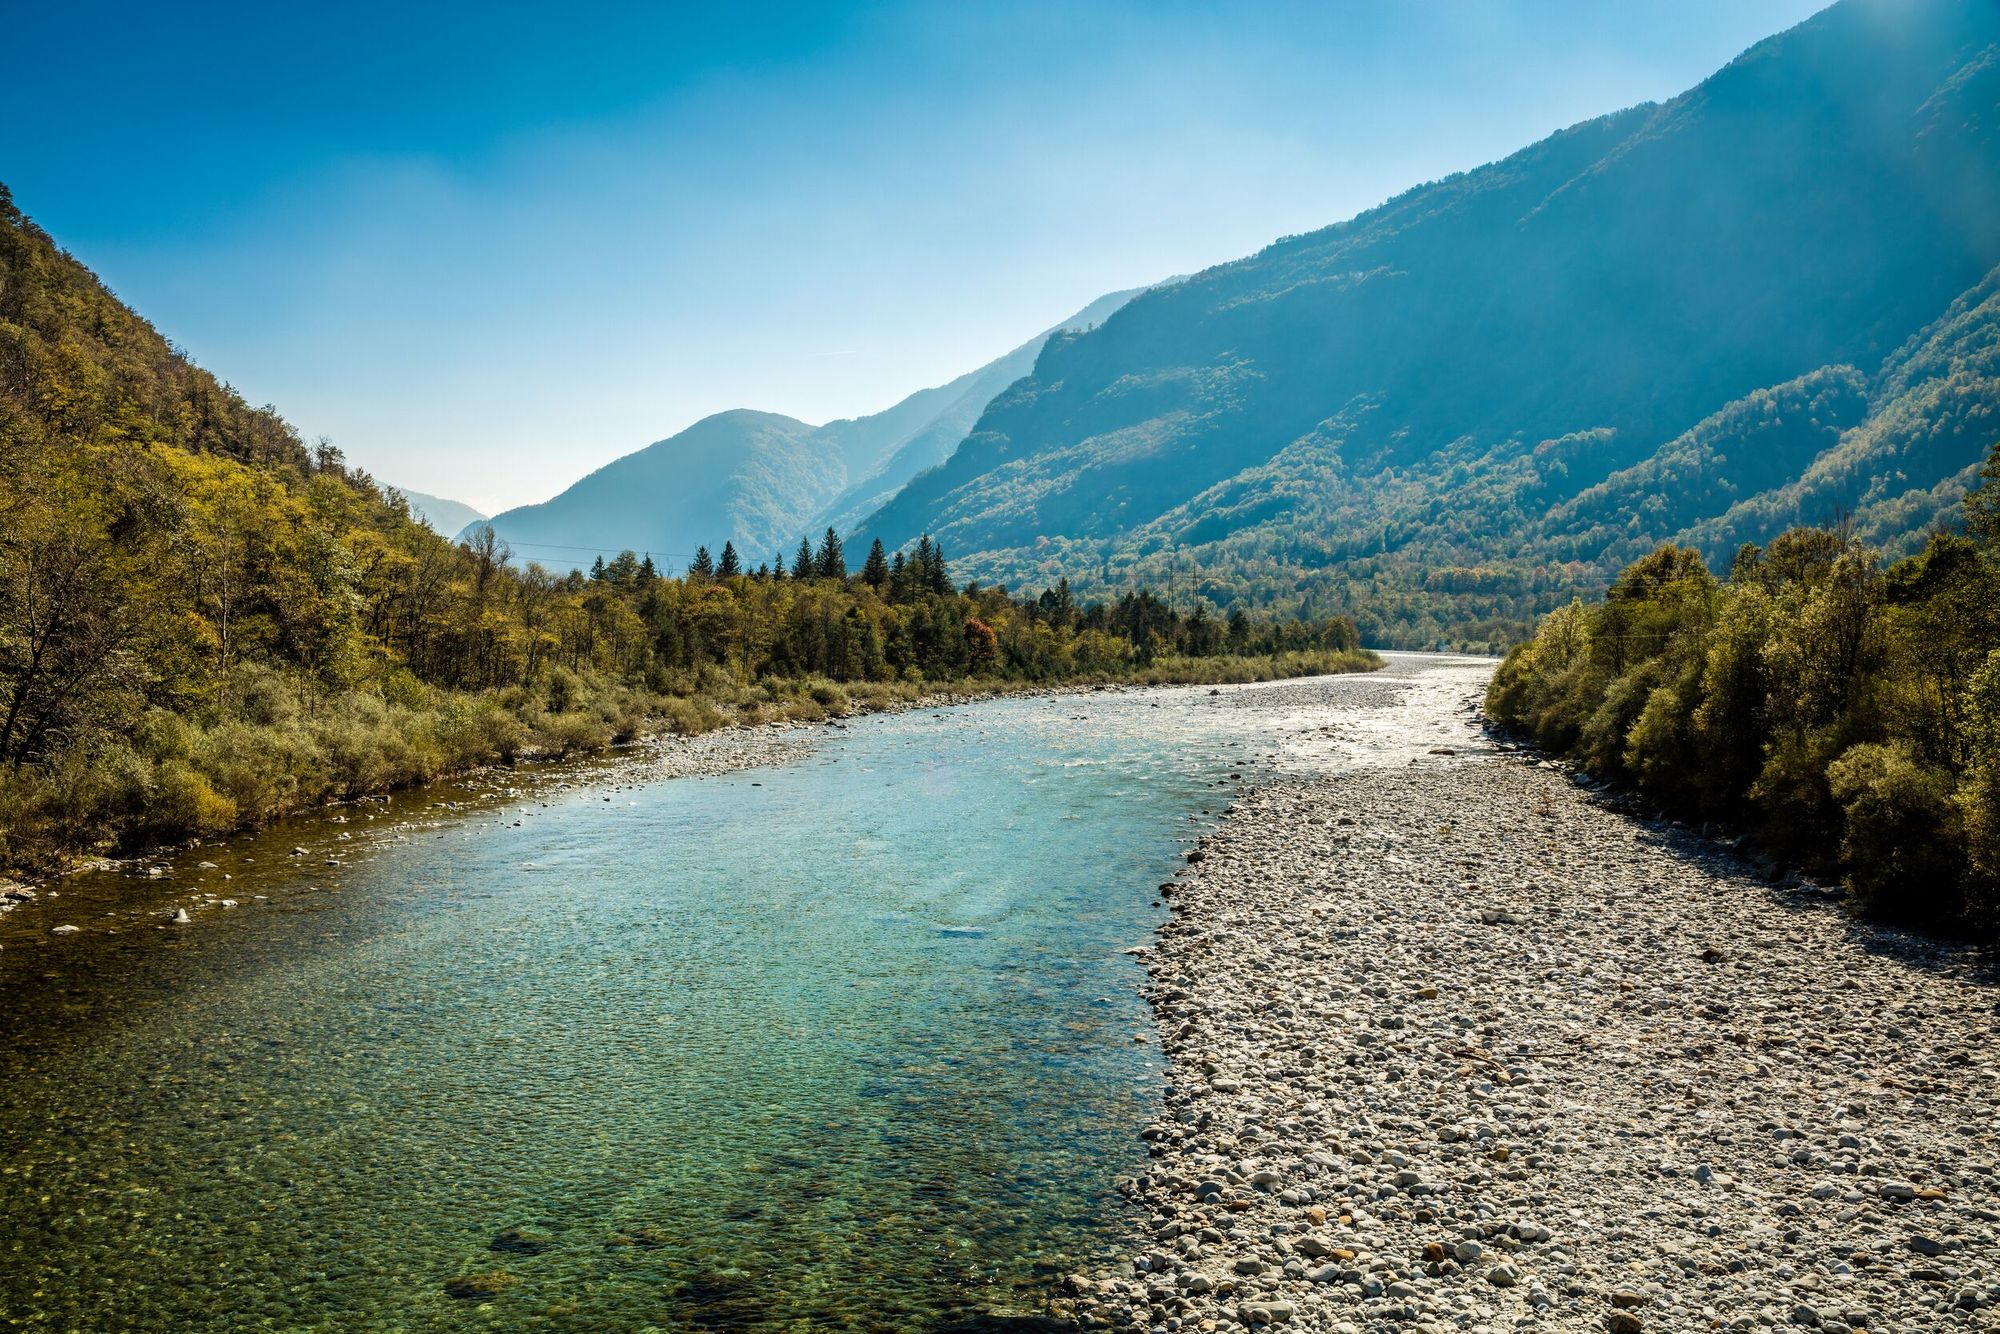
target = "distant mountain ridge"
x: 445, y: 517
x: 760, y: 479
x: 1462, y: 406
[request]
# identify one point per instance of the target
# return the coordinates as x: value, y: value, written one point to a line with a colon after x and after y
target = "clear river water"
x: 849, y: 1043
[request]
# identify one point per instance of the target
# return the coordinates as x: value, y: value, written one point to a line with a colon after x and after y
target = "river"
x: 851, y: 1042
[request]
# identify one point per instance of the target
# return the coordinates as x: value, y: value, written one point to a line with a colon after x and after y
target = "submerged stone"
x: 519, y: 1241
x: 472, y: 1287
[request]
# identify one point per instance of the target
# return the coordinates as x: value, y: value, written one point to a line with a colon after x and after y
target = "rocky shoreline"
x: 1457, y: 1046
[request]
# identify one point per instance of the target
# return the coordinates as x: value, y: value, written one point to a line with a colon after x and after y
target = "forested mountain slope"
x: 760, y: 480
x: 1405, y: 415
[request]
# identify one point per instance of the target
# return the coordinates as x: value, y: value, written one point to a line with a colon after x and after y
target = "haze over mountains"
x: 761, y: 479
x: 446, y: 517
x: 1765, y: 301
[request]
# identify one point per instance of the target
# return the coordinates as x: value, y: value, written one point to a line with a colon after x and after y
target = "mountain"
x: 443, y: 516
x: 762, y: 480
x: 744, y: 476
x: 949, y: 412
x: 1406, y: 415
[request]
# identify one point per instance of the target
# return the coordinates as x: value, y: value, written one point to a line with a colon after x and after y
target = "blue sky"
x: 488, y: 248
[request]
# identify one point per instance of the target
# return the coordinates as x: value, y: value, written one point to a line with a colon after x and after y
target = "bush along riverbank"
x: 1844, y: 714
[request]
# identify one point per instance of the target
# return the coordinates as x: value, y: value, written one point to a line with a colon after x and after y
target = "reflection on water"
x: 848, y: 1044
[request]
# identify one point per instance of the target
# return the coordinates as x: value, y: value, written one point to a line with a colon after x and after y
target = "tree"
x: 596, y: 567
x: 982, y: 646
x: 937, y: 577
x: 802, y: 564
x: 778, y: 566
x: 704, y: 564
x: 730, y: 566
x: 1982, y: 506
x: 1059, y: 604
x: 64, y: 620
x: 876, y: 570
x: 831, y: 563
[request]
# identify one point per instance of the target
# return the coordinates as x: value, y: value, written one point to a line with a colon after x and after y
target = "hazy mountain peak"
x: 762, y: 479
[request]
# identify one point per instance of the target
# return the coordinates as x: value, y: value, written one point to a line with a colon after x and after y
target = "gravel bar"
x: 1457, y: 1045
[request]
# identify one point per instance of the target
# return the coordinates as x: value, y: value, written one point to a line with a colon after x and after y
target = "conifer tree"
x: 704, y: 564
x: 647, y: 570
x: 778, y: 566
x: 876, y: 569
x: 932, y: 569
x: 899, y: 579
x: 730, y: 566
x: 802, y: 564
x: 831, y: 562
x: 597, y: 569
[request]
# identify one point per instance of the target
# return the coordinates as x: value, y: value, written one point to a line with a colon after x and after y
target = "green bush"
x: 573, y: 734
x: 1847, y: 716
x: 1901, y: 842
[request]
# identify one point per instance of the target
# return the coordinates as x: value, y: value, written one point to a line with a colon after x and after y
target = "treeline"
x: 206, y: 622
x: 1848, y: 715
x: 899, y: 619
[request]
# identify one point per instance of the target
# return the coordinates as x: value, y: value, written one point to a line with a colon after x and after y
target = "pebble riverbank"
x: 1456, y: 1045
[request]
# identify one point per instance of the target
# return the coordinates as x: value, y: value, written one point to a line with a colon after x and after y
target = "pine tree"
x: 1058, y: 603
x: 802, y: 564
x: 876, y: 570
x: 936, y: 577
x: 597, y: 569
x: 647, y: 570
x: 623, y: 570
x: 730, y: 566
x: 778, y: 566
x: 899, y: 579
x: 704, y: 564
x: 832, y: 561
x: 920, y: 566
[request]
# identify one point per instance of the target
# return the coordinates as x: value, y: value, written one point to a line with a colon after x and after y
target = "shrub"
x: 573, y: 734
x: 1902, y: 844
x: 563, y: 691
x: 183, y: 805
x: 828, y: 696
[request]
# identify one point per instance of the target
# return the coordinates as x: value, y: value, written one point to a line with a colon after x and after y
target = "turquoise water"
x: 843, y: 1044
